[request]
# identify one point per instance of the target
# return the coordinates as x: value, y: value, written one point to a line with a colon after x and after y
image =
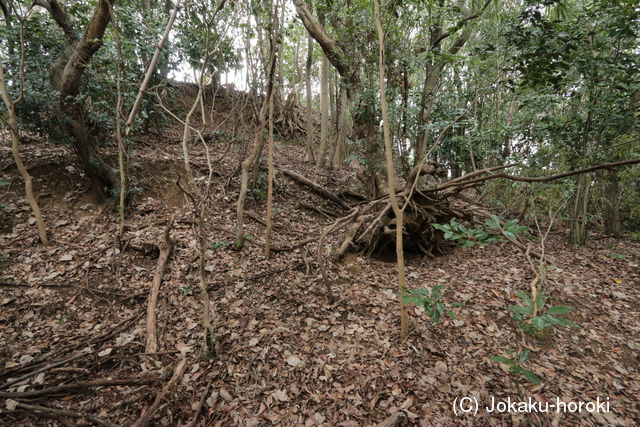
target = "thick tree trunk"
x: 363, y: 118
x: 66, y: 75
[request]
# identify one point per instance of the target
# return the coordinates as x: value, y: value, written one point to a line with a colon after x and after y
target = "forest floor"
x: 286, y: 356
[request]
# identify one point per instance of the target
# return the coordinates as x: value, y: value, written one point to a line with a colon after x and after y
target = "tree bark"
x: 309, y: 94
x: 255, y: 151
x: 324, y: 111
x: 399, y: 214
x: 612, y: 204
x: 66, y: 75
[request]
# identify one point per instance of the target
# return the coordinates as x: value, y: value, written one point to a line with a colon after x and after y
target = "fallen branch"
x: 44, y: 369
x: 324, y: 212
x: 148, y: 413
x: 77, y: 387
x: 198, y: 409
x: 125, y: 324
x: 317, y: 188
x: 35, y: 410
x: 165, y: 250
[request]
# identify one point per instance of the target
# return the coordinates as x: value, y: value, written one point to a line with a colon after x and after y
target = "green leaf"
x: 539, y: 322
x: 441, y: 227
x: 524, y: 355
x: 565, y: 322
x: 509, y: 235
x: 502, y: 359
x: 525, y: 297
x: 529, y: 375
x: 520, y: 309
x: 436, y: 291
x: 493, y: 222
x: 560, y: 309
x: 409, y: 299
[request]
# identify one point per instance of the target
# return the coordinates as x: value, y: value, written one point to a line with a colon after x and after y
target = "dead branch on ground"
x: 165, y: 250
x: 146, y: 415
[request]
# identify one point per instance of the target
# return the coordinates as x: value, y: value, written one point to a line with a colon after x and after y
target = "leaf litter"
x: 285, y: 355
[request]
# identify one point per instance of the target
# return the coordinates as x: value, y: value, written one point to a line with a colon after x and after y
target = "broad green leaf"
x: 524, y: 297
x: 530, y: 376
x: 502, y: 359
x: 560, y: 309
x: 509, y: 235
x: 520, y: 309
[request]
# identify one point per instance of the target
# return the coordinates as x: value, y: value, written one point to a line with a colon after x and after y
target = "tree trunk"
x: 258, y: 143
x: 309, y: 65
x: 342, y: 114
x: 363, y: 118
x: 612, y: 204
x: 15, y: 150
x: 578, y: 230
x: 66, y: 74
x: 404, y: 320
x: 324, y: 111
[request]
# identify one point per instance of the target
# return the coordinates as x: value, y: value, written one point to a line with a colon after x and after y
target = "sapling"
x: 429, y: 299
x: 513, y: 361
x: 533, y: 319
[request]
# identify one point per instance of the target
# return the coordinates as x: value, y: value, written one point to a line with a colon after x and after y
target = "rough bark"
x: 66, y: 76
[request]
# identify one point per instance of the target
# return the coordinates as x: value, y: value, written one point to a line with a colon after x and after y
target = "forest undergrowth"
x: 285, y: 354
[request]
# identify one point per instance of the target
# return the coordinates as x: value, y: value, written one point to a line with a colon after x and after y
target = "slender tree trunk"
x: 578, y: 231
x: 118, y: 120
x: 269, y: 219
x: 309, y: 94
x: 343, y: 127
x: 15, y: 150
x: 404, y: 319
x: 612, y: 204
x: 324, y: 111
x: 258, y: 143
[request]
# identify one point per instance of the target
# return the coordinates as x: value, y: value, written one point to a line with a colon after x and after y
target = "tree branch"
x: 459, y: 25
x: 60, y: 16
x: 330, y: 47
x: 531, y: 179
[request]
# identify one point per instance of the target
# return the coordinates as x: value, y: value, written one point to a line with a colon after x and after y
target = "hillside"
x: 286, y: 355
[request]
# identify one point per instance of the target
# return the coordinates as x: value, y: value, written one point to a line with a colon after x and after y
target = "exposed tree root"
x: 370, y: 226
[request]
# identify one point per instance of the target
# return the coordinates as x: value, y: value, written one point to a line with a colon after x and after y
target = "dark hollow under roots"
x: 374, y: 234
